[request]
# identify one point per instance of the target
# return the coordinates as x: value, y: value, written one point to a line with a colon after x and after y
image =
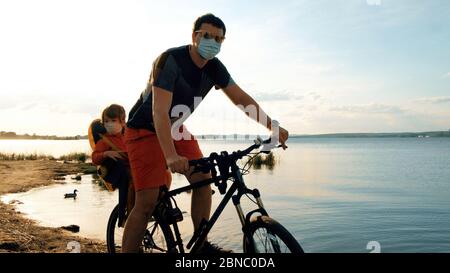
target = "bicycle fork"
x: 237, y: 203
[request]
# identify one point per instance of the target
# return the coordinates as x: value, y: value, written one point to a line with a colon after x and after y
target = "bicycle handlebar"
x: 234, y: 156
x: 223, y: 162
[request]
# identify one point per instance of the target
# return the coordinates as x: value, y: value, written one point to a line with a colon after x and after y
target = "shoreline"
x: 243, y: 136
x: 19, y: 234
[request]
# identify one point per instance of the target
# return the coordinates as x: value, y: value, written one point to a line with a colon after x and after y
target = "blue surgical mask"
x: 208, y: 48
x: 113, y: 128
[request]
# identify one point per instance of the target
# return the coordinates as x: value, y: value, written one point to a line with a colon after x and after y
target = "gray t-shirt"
x: 175, y: 72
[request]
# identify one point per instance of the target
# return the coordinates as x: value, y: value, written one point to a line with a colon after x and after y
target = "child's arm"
x: 102, y: 151
x: 98, y: 153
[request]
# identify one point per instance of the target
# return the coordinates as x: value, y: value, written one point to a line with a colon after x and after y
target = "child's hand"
x: 113, y: 155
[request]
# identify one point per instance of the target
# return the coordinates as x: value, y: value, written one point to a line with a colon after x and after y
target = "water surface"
x: 333, y: 194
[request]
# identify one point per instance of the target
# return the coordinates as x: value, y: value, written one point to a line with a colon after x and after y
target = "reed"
x: 80, y: 157
x: 260, y: 160
x: 20, y: 156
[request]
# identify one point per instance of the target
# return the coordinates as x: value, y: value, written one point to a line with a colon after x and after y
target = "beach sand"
x: 19, y: 234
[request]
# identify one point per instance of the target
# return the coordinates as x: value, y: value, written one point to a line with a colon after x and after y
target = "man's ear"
x: 194, y: 37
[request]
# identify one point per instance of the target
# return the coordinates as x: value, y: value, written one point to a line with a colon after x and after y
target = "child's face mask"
x: 113, y: 127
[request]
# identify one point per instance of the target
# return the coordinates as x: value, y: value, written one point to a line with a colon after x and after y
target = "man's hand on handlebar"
x: 178, y: 164
x: 283, y: 136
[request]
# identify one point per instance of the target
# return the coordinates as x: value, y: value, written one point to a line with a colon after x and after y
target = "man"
x: 178, y: 77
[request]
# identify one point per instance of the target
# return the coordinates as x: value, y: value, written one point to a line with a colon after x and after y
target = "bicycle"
x: 261, y: 234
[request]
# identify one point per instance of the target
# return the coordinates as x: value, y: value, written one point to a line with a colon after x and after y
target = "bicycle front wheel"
x: 158, y: 237
x: 265, y: 235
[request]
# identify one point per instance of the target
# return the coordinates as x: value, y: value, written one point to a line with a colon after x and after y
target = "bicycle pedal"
x: 197, y: 233
x: 172, y: 215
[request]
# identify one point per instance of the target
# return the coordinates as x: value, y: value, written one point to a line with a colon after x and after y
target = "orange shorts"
x: 147, y: 162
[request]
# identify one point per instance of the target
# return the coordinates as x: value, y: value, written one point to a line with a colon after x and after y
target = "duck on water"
x: 71, y: 195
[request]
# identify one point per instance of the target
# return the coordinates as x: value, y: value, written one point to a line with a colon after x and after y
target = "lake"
x: 333, y: 194
x: 54, y: 148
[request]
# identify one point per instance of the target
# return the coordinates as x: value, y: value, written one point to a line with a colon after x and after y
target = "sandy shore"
x: 19, y: 234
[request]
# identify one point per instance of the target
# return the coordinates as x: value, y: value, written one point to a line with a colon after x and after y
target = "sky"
x: 322, y: 66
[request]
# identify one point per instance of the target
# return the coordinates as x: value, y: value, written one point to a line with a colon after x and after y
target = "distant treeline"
x: 341, y: 135
x: 407, y: 134
x: 13, y: 135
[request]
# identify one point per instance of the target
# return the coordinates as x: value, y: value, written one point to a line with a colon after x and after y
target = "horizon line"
x: 6, y: 134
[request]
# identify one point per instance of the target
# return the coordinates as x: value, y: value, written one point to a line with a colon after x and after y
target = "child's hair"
x: 113, y: 111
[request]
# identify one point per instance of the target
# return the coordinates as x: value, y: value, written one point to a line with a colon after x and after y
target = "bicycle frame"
x: 237, y: 185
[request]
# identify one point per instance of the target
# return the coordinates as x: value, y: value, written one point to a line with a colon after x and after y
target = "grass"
x: 80, y: 157
x: 260, y: 160
x: 90, y: 169
x: 16, y: 157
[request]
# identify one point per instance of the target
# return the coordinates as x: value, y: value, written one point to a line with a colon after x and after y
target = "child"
x: 113, y: 119
x: 110, y: 152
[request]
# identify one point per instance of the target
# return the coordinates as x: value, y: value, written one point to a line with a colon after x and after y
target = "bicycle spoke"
x: 153, y: 238
x: 267, y: 242
x: 153, y: 241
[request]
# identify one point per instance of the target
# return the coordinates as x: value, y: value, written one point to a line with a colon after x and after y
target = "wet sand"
x: 19, y: 234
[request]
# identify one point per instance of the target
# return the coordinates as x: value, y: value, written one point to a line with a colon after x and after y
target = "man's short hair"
x: 209, y: 18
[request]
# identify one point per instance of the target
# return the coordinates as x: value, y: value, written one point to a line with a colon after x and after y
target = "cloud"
x: 277, y: 96
x: 447, y: 75
x: 373, y: 108
x: 289, y: 95
x: 55, y: 104
x: 433, y: 100
x: 314, y: 96
x: 373, y: 2
x: 21, y: 101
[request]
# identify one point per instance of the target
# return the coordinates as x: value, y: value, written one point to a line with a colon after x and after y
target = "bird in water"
x: 71, y: 195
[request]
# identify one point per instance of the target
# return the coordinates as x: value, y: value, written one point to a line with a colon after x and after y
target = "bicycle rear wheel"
x: 158, y: 237
x: 265, y: 235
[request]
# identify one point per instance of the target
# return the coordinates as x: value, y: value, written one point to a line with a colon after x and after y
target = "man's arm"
x: 240, y: 98
x: 162, y: 100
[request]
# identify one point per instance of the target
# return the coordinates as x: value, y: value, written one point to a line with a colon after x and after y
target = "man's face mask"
x: 208, y: 48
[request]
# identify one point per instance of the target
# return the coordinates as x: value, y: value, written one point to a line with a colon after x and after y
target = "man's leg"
x: 138, y: 219
x: 201, y: 199
x: 201, y: 209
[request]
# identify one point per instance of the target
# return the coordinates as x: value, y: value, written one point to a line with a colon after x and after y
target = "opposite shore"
x: 13, y: 135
